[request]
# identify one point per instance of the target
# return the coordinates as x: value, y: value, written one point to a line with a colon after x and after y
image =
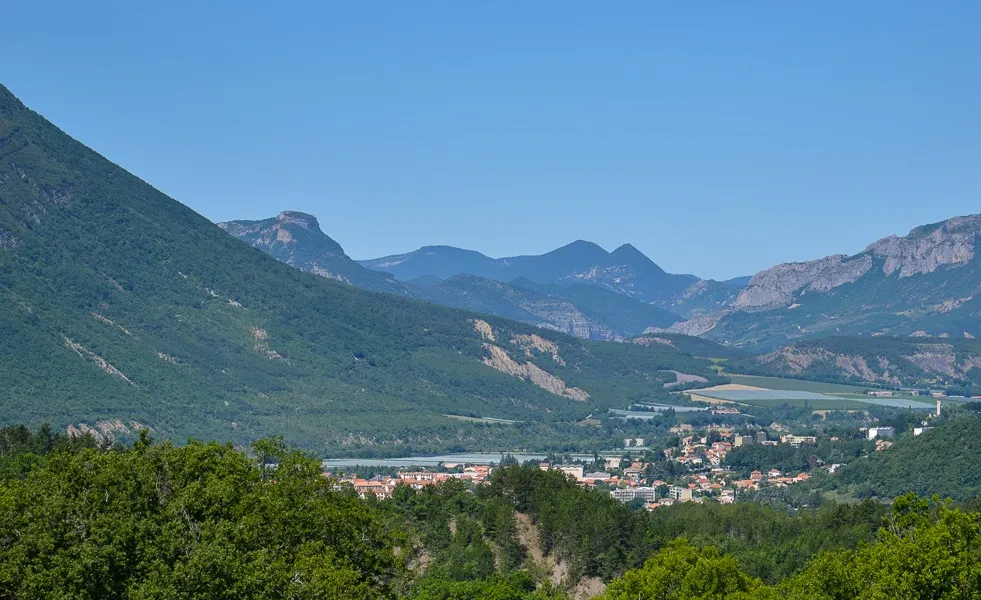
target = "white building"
x: 681, y: 494
x: 647, y: 494
x: 881, y: 432
x: 798, y: 440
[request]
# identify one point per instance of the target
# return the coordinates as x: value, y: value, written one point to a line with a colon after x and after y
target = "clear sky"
x: 718, y: 137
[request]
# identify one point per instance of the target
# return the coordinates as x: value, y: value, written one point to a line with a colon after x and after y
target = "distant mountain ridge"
x: 586, y: 311
x: 924, y: 283
x: 626, y: 271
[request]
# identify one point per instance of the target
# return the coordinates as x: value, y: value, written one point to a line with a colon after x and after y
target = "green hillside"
x: 122, y: 308
x: 941, y: 461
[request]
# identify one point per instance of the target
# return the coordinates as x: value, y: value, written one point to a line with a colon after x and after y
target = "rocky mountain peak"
x: 300, y: 219
x: 632, y: 256
x: 927, y: 248
x: 283, y: 232
x: 924, y: 250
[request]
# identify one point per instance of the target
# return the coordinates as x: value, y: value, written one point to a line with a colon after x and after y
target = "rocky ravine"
x: 499, y: 358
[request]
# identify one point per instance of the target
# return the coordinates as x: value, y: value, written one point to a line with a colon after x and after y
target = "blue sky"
x: 718, y: 138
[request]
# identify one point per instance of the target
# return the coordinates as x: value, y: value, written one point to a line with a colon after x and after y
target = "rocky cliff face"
x: 925, y: 282
x: 892, y: 362
x: 779, y: 285
x: 930, y: 247
x: 925, y: 250
x: 296, y: 239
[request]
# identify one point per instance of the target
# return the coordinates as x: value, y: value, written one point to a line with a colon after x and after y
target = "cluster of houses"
x: 719, y: 485
x: 626, y: 474
x: 704, y: 450
x: 383, y: 487
x: 696, y: 450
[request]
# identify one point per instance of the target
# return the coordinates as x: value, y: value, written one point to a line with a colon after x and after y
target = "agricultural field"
x: 896, y: 401
x: 829, y: 403
x: 770, y: 392
x: 780, y: 383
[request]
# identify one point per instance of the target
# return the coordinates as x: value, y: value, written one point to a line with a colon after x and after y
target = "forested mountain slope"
x: 943, y: 461
x: 120, y: 307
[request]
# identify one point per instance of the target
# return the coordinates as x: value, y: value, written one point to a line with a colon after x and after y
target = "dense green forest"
x: 943, y: 460
x: 207, y: 521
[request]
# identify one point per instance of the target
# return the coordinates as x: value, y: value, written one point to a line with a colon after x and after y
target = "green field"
x: 780, y: 383
x: 833, y: 404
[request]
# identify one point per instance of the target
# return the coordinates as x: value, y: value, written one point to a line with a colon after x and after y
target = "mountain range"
x: 923, y: 284
x: 579, y: 289
x: 890, y: 315
x: 582, y: 308
x: 124, y: 309
x: 625, y: 271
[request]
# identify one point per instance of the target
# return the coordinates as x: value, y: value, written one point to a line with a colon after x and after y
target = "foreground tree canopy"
x: 199, y: 521
x: 205, y: 520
